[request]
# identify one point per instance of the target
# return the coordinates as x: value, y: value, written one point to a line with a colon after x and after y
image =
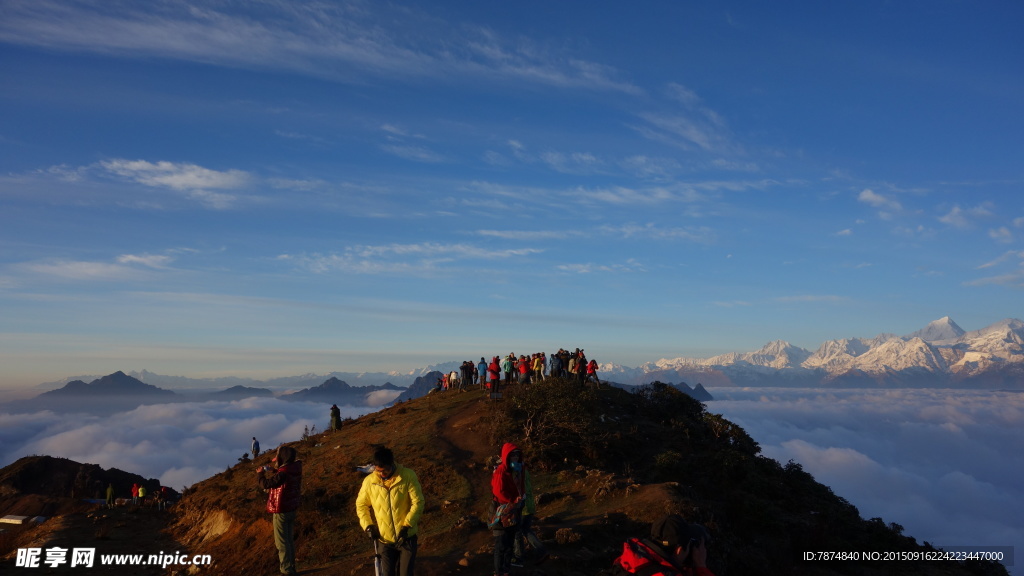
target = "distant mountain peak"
x: 938, y: 330
x: 333, y: 383
x: 776, y: 347
x: 116, y: 384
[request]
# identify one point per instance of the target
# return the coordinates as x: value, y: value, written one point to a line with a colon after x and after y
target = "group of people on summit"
x: 390, y: 503
x: 522, y: 369
x: 141, y: 496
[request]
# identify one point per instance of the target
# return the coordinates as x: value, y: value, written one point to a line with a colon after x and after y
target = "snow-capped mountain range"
x: 940, y: 354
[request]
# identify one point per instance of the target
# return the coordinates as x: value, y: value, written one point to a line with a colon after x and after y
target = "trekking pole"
x: 376, y: 560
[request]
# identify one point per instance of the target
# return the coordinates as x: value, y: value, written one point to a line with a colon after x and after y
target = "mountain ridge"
x: 118, y: 392
x: 939, y: 355
x: 944, y: 355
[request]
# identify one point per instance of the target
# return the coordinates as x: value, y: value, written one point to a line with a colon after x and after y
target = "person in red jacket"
x: 285, y: 486
x: 676, y: 548
x: 510, y: 485
x: 592, y: 372
x: 494, y: 374
x: 523, y: 367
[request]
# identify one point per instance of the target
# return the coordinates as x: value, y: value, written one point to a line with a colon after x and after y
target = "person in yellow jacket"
x: 393, y: 495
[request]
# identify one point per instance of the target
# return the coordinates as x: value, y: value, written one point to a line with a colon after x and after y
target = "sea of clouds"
x: 945, y: 464
x: 179, y: 443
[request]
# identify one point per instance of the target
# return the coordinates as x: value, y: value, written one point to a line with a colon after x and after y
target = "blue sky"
x: 275, y: 187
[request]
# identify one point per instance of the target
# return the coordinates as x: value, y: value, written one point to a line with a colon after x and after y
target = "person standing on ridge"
x: 592, y: 372
x: 158, y: 497
x: 507, y: 364
x: 285, y: 486
x: 389, y: 506
x: 510, y: 485
x: 335, y: 417
x: 110, y: 496
x: 538, y: 366
x: 556, y: 366
x: 494, y: 373
x: 523, y: 367
x: 481, y: 369
x: 255, y: 447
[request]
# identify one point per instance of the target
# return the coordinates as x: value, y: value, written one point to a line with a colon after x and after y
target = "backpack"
x: 638, y: 558
x: 503, y: 515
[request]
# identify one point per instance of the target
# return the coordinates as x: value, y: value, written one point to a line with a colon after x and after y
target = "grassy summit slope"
x: 605, y: 464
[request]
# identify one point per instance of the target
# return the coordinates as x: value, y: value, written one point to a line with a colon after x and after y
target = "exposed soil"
x: 123, y: 530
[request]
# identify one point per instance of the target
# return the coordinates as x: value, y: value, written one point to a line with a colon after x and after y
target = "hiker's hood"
x: 507, y: 449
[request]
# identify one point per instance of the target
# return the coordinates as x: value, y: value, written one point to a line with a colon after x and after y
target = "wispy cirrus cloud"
x: 699, y: 234
x: 398, y: 145
x: 634, y: 196
x: 1011, y: 263
x: 124, y: 267
x: 683, y: 132
x: 559, y: 161
x: 1001, y: 235
x: 528, y: 234
x: 700, y: 192
x: 148, y: 260
x: 1010, y: 255
x: 199, y: 183
x: 630, y: 265
x: 412, y: 259
x: 1013, y: 280
x: 812, y: 298
x: 414, y: 153
x: 572, y: 163
x: 964, y: 218
x: 732, y: 304
x: 81, y: 270
x: 338, y: 41
x: 139, y: 184
x: 651, y: 168
x: 886, y: 205
x: 175, y: 175
x: 689, y: 124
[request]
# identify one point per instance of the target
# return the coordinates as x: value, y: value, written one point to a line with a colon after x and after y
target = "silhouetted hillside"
x: 113, y: 393
x: 698, y: 392
x: 62, y: 492
x: 335, y: 391
x: 60, y: 477
x: 420, y: 387
x: 116, y: 384
x: 605, y: 462
x: 240, y: 392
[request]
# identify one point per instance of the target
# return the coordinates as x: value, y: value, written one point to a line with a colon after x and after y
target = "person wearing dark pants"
x: 511, y: 487
x: 525, y: 536
x: 285, y: 486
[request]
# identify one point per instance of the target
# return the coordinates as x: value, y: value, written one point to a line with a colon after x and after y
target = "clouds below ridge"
x: 944, y: 464
x: 179, y: 444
